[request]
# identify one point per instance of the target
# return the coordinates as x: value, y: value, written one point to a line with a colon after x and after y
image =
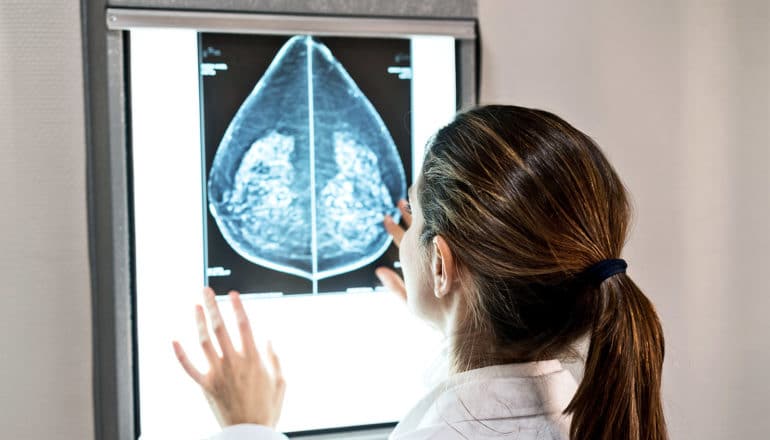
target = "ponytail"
x: 527, y: 201
x: 619, y: 396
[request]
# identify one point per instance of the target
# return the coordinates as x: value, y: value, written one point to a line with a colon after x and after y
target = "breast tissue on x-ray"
x: 305, y: 171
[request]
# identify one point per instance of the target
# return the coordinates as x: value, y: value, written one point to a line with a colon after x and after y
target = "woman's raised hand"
x: 238, y: 385
x: 389, y: 277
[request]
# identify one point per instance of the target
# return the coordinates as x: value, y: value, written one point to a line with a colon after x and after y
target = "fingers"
x: 275, y: 364
x: 217, y: 323
x: 393, y: 228
x: 403, y: 206
x: 396, y: 231
x: 389, y: 278
x: 188, y: 367
x: 244, y: 327
x: 280, y: 382
x: 392, y: 281
x: 204, y: 337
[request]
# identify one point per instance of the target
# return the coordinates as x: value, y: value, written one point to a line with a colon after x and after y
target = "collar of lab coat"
x: 497, y: 392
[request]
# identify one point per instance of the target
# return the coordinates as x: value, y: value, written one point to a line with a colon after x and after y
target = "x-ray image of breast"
x: 306, y: 169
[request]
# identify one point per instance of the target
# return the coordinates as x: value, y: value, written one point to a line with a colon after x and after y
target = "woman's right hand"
x: 239, y: 385
x: 389, y: 277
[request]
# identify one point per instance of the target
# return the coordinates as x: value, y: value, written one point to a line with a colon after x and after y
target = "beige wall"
x: 677, y: 93
x: 45, y: 317
x: 678, y: 96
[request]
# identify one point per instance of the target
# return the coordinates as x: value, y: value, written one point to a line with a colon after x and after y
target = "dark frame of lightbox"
x: 108, y: 122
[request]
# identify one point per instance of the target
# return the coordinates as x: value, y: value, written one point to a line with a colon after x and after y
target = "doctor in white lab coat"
x: 511, y: 248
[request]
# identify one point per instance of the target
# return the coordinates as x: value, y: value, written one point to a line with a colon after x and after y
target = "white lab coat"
x: 514, y: 401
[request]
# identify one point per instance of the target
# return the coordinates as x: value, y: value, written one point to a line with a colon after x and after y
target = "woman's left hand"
x: 238, y: 386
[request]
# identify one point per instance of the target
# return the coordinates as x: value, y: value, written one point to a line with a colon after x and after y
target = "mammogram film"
x: 306, y: 170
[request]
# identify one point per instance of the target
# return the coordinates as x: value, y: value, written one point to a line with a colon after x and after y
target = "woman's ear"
x: 442, y: 267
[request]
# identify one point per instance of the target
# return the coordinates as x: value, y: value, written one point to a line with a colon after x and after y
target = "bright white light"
x: 434, y: 83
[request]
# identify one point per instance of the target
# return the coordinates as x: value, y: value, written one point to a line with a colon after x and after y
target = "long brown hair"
x: 527, y: 202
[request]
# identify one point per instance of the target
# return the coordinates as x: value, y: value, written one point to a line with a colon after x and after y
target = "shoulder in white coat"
x: 515, y: 401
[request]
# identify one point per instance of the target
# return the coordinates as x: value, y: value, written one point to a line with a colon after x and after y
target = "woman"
x: 512, y: 248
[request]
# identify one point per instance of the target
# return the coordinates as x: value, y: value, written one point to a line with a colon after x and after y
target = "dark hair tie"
x: 597, y: 273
